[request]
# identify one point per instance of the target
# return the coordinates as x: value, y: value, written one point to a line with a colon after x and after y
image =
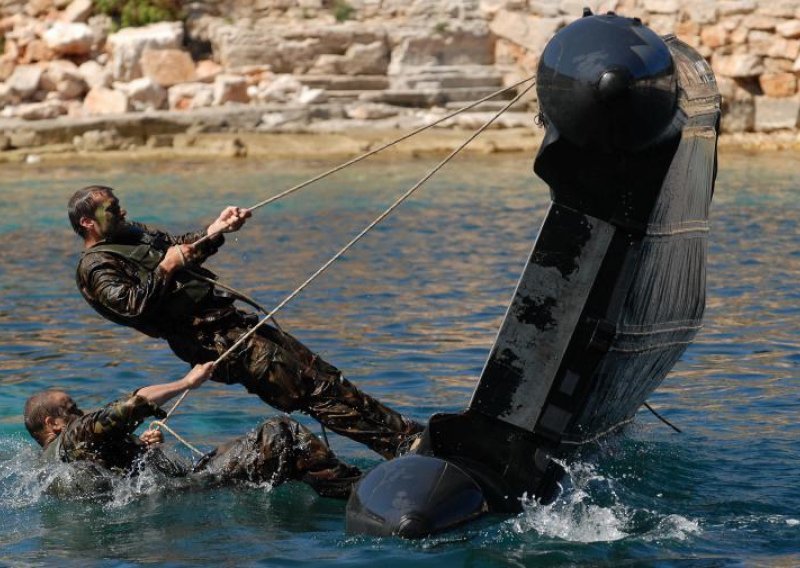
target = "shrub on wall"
x: 128, y: 13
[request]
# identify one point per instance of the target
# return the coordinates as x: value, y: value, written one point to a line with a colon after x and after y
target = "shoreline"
x: 232, y: 133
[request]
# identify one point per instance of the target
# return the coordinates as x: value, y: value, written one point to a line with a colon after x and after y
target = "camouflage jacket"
x: 105, y: 437
x: 118, y: 289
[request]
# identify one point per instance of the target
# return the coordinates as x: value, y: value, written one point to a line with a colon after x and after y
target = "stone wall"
x: 362, y: 60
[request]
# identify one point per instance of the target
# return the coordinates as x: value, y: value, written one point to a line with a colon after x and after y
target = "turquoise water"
x: 409, y: 315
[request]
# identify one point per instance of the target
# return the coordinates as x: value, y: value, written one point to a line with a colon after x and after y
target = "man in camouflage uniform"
x: 153, y: 281
x: 279, y: 450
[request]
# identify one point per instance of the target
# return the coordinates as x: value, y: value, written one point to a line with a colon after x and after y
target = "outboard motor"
x: 613, y: 292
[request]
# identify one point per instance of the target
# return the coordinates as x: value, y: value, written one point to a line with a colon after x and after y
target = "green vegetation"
x: 130, y: 13
x: 440, y: 27
x: 342, y: 11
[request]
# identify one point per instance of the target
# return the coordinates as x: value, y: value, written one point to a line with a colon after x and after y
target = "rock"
x: 128, y: 44
x: 776, y: 114
x: 98, y: 140
x: 207, y: 70
x: 738, y: 66
x: 95, y: 74
x: 168, y: 67
x: 40, y: 111
x: 369, y: 59
x: 24, y: 138
x: 789, y: 30
x: 282, y: 88
x: 230, y: 89
x: 24, y: 81
x: 187, y: 96
x: 37, y: 7
x: 77, y: 11
x: 778, y: 84
x: 530, y: 32
x: 7, y: 96
x: 144, y: 94
x: 5, y: 143
x: 6, y: 68
x: 37, y: 50
x: 779, y: 8
x: 370, y: 111
x: 101, y: 100
x: 703, y: 12
x: 784, y: 48
x: 739, y: 116
x: 662, y: 6
x: 544, y: 8
x: 69, y: 39
x: 62, y: 77
x: 714, y: 36
x: 309, y: 96
x: 733, y: 7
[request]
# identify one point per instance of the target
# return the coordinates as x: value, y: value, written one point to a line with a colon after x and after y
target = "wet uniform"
x: 279, y: 450
x: 122, y: 281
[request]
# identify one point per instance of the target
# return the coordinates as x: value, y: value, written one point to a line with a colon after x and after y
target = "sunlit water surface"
x: 409, y: 314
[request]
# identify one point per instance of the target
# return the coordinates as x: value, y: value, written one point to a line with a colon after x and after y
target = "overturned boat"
x: 611, y: 295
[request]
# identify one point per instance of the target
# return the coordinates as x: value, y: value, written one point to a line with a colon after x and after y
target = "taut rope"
x: 382, y: 148
x: 270, y: 315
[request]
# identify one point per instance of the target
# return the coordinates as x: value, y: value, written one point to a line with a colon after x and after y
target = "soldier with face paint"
x: 154, y: 282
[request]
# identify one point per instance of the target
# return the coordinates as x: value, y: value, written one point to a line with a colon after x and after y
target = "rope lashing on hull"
x: 270, y: 315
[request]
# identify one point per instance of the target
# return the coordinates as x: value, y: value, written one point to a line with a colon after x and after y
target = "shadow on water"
x: 409, y: 314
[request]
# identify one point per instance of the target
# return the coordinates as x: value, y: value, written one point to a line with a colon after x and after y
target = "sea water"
x: 409, y: 315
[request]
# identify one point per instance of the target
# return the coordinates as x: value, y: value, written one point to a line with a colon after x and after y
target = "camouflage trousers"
x: 285, y: 374
x: 281, y: 450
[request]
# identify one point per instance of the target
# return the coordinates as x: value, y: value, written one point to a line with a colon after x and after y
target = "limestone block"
x: 704, y: 12
x: 101, y: 100
x: 37, y: 7
x: 326, y: 64
x: 714, y: 36
x: 24, y: 81
x: 789, y: 29
x: 7, y: 96
x: 738, y: 116
x: 731, y: 7
x: 69, y: 38
x: 784, y: 48
x: 6, y: 68
x: 687, y: 28
x: 738, y: 36
x: 37, y: 50
x: 168, y: 67
x: 778, y: 84
x: 778, y: 8
x: 62, y: 77
x: 95, y: 74
x: 207, y: 70
x: 230, y: 89
x: 370, y: 59
x: 662, y: 6
x: 187, y: 96
x: 77, y: 11
x: 759, y: 43
x: 282, y: 88
x: 544, y: 8
x: 5, y: 143
x: 310, y: 96
x: 40, y: 111
x: 98, y: 140
x: 128, y: 44
x: 143, y: 94
x: 776, y: 114
x: 738, y: 66
x: 796, y: 66
x: 778, y: 65
x: 760, y: 22
x: 662, y: 24
x: 530, y: 32
x: 370, y: 111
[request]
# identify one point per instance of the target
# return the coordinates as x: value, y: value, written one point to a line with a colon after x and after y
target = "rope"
x: 358, y: 237
x: 381, y: 148
x: 161, y: 424
x: 270, y: 315
x: 664, y: 420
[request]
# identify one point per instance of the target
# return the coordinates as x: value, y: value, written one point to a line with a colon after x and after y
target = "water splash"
x: 590, y: 509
